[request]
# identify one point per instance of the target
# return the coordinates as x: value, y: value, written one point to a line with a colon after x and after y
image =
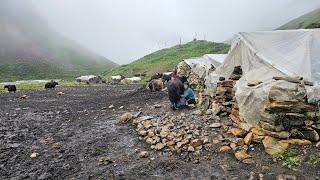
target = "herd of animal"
x: 157, y: 82
x: 49, y: 85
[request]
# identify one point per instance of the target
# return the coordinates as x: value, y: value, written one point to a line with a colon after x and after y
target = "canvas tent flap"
x: 263, y: 55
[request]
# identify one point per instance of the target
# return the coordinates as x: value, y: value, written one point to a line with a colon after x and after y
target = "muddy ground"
x: 71, y: 132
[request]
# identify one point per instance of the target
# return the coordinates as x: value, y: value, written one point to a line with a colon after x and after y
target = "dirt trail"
x: 71, y: 132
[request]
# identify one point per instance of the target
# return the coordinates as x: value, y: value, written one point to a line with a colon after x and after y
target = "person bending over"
x: 188, y: 94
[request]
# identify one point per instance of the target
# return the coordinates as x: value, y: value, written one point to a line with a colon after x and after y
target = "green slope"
x: 164, y: 60
x: 307, y: 21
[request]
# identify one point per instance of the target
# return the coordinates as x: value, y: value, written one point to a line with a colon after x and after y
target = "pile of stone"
x: 224, y: 103
x: 287, y: 113
x: 287, y: 118
x: 180, y: 133
x: 183, y: 69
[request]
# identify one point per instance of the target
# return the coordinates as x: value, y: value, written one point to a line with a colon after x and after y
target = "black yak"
x: 51, y: 85
x: 175, y: 89
x: 156, y: 76
x: 11, y: 88
x: 166, y: 78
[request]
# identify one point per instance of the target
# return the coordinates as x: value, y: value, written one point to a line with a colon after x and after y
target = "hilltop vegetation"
x: 30, y: 49
x: 307, y: 21
x: 164, y: 60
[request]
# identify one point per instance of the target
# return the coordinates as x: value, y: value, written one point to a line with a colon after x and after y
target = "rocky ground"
x: 77, y: 135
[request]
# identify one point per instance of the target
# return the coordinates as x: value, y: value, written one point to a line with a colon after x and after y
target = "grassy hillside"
x: 165, y: 60
x: 30, y: 49
x: 307, y: 21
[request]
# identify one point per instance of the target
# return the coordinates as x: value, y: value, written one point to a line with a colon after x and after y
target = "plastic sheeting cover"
x: 202, y: 65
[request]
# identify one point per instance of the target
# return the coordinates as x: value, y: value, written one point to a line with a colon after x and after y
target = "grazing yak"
x: 11, y: 88
x: 175, y: 89
x: 156, y: 85
x: 51, y: 85
x: 156, y: 76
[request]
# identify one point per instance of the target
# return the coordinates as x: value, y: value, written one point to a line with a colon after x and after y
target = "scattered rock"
x: 198, y: 113
x: 124, y: 118
x: 143, y: 132
x: 111, y: 106
x: 237, y: 132
x: 24, y: 96
x: 233, y: 146
x: 196, y: 143
x: 157, y: 106
x: 286, y: 177
x: 159, y: 146
x: 216, y: 108
x: 60, y: 93
x: 170, y: 143
x: 224, y: 149
x: 242, y: 155
x: 56, y: 146
x: 104, y: 160
x: 34, y: 155
x: 144, y: 154
x: 191, y: 149
x: 273, y: 146
x: 121, y: 107
x: 215, y: 125
x: 248, y: 138
x: 239, y: 142
x: 248, y: 161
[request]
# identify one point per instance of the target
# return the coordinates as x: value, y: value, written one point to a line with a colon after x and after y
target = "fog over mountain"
x: 31, y: 49
x: 124, y: 30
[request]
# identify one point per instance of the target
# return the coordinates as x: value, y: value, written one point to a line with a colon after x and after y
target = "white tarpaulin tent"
x: 263, y: 55
x: 202, y: 65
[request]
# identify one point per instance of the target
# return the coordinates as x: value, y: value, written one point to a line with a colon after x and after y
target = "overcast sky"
x: 125, y: 30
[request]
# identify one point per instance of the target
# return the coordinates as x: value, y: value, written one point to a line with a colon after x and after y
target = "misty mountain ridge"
x: 308, y: 21
x: 30, y: 49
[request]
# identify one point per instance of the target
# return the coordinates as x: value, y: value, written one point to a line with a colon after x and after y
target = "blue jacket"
x: 188, y: 94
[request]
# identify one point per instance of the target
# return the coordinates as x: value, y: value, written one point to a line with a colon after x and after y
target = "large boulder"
x: 273, y: 146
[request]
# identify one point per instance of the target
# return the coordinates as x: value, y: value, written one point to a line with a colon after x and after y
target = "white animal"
x: 131, y: 80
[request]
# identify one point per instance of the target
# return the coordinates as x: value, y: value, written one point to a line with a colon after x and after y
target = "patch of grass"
x: 290, y: 162
x: 290, y: 153
x: 278, y: 156
x: 289, y: 158
x: 314, y: 159
x: 165, y: 59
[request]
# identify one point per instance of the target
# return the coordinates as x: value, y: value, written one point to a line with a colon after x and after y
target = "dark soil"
x: 71, y: 132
